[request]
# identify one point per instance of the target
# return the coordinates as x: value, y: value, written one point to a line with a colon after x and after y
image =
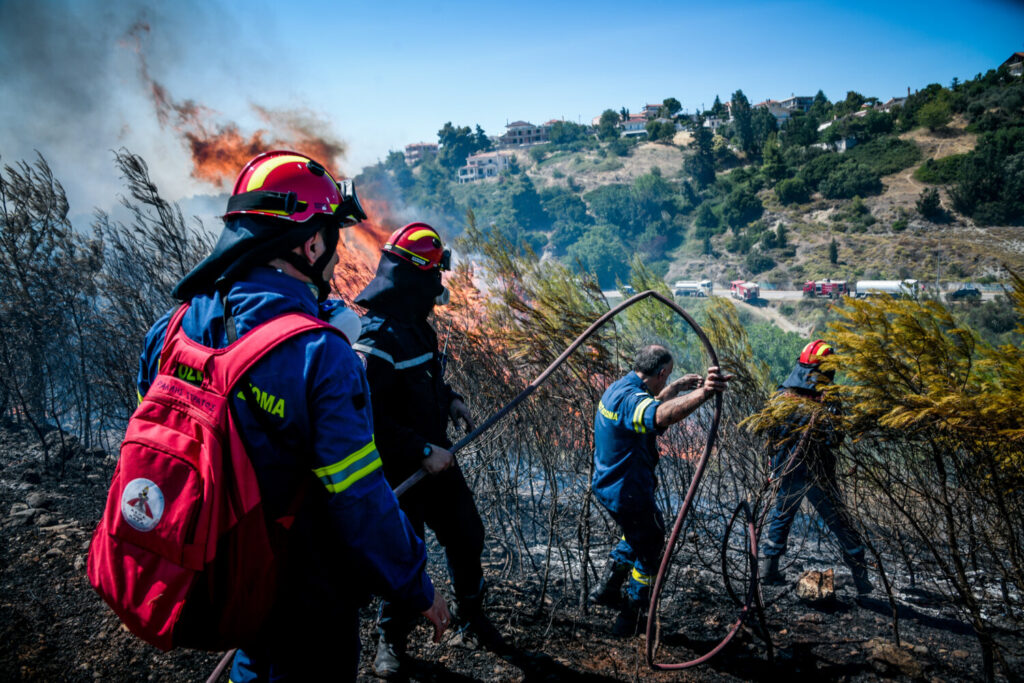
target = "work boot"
x: 473, y: 630
x: 860, y: 578
x: 771, y: 575
x: 609, y: 591
x: 388, y: 662
x: 631, y: 620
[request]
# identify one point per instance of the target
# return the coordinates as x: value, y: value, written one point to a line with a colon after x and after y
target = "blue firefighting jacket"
x: 625, y: 448
x: 349, y: 534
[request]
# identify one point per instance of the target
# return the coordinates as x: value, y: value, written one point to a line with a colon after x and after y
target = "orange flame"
x: 219, y: 149
x: 359, y: 249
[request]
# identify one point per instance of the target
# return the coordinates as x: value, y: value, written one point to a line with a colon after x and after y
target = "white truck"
x: 898, y: 288
x: 692, y: 288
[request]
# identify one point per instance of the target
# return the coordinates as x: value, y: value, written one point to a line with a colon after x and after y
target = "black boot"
x: 631, y: 620
x: 771, y: 575
x: 388, y: 662
x: 473, y: 630
x: 609, y: 591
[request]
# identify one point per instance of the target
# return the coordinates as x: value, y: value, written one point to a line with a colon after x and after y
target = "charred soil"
x: 54, y: 627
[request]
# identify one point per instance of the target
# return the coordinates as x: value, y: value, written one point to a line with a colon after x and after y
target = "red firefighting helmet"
x: 293, y: 187
x: 814, y: 352
x: 420, y: 245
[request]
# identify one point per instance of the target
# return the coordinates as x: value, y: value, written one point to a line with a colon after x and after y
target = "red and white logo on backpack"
x: 142, y: 504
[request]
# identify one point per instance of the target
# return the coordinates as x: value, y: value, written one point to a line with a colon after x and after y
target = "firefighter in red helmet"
x: 804, y: 464
x: 311, y: 442
x: 412, y: 407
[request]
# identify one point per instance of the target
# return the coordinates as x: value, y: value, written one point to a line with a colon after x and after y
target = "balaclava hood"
x: 248, y: 241
x: 401, y: 290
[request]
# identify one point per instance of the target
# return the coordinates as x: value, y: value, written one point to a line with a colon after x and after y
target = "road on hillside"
x: 781, y: 294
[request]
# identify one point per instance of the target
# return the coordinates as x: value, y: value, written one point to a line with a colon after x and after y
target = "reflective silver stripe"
x: 374, y: 352
x: 413, y: 362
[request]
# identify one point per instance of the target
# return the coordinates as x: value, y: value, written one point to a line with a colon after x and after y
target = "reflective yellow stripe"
x: 639, y: 577
x: 257, y: 179
x: 355, y: 476
x: 342, y: 464
x: 607, y: 413
x: 347, y: 471
x: 423, y: 233
x: 638, y: 415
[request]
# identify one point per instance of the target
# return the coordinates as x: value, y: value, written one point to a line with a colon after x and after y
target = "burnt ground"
x: 54, y: 627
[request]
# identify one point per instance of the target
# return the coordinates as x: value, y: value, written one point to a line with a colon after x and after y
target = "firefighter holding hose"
x: 631, y: 414
x: 412, y: 406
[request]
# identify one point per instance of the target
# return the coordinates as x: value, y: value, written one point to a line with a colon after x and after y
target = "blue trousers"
x: 819, y: 485
x: 643, y: 535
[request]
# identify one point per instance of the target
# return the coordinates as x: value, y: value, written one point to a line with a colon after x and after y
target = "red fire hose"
x: 752, y: 597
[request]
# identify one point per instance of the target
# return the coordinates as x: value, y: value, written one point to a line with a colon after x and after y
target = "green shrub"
x: 792, y: 191
x: 886, y: 155
x: 940, y: 171
x: 849, y: 180
x: 757, y: 262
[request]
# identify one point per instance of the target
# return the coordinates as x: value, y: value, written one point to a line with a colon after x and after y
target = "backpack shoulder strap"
x: 171, y: 337
x: 237, y: 359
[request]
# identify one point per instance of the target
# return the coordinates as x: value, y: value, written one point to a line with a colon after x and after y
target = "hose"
x: 752, y: 598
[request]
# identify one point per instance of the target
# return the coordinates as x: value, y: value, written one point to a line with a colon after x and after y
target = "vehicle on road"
x: 744, y: 291
x: 832, y: 289
x: 897, y: 288
x: 692, y: 288
x: 965, y: 292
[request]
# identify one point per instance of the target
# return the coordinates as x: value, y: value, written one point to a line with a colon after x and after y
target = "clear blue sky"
x: 378, y: 75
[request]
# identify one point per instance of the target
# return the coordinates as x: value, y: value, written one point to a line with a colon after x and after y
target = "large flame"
x: 219, y: 149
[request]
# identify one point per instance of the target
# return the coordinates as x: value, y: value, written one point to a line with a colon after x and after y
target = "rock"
x: 885, y: 656
x: 811, y: 618
x: 816, y: 587
x: 80, y: 563
x: 45, y: 519
x: 36, y: 500
x: 960, y: 654
x: 920, y: 650
x: 18, y: 507
x: 53, y: 552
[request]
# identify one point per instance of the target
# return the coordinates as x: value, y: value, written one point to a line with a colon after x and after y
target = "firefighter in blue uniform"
x: 631, y: 414
x: 305, y: 420
x: 412, y: 406
x: 804, y: 463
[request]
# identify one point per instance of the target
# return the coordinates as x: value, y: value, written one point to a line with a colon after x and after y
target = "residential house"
x: 840, y: 145
x: 418, y: 151
x: 1015, y: 64
x: 523, y: 133
x: 714, y: 123
x: 484, y: 165
x: 893, y: 103
x: 797, y: 103
x: 634, y: 126
x: 776, y: 109
x: 650, y: 111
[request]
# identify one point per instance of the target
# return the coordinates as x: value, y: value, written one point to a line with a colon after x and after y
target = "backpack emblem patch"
x: 142, y: 504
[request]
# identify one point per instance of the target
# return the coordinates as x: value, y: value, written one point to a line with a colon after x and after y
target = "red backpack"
x: 183, y: 554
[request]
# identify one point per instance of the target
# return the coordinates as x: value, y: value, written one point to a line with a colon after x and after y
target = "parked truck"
x: 898, y: 288
x: 744, y: 291
x: 832, y: 289
x: 692, y: 288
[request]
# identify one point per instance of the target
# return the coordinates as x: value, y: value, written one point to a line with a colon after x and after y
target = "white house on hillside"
x: 484, y: 165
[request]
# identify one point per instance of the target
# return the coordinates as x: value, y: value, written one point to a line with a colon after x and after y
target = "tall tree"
x: 742, y: 121
x: 671, y: 106
x: 456, y: 143
x: 717, y: 109
x: 607, y: 126
x: 702, y: 164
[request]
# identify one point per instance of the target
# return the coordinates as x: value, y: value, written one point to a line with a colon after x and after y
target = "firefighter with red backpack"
x: 302, y: 412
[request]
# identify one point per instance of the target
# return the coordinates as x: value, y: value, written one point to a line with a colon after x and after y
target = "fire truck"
x: 833, y: 289
x: 692, y: 288
x: 744, y: 291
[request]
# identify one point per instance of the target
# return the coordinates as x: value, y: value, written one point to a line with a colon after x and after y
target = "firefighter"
x: 412, y: 406
x: 305, y: 420
x: 631, y: 414
x: 803, y: 462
